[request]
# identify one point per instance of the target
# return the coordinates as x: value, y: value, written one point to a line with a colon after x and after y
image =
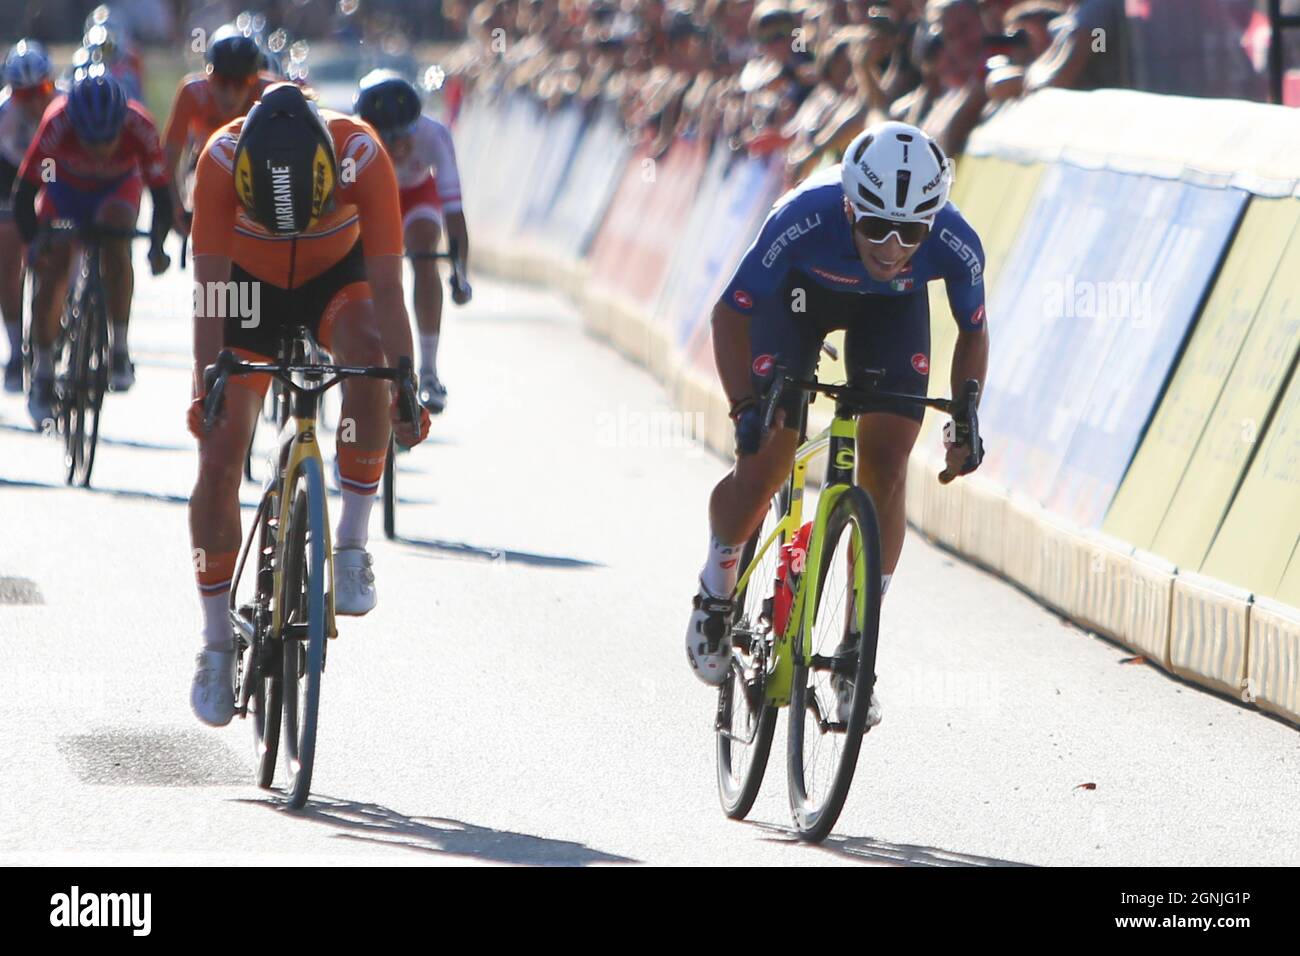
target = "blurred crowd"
x: 800, y: 77
x: 156, y: 22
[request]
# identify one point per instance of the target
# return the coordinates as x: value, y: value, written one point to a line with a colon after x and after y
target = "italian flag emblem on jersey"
x: 901, y: 284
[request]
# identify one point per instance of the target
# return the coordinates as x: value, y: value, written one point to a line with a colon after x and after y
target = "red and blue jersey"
x: 807, y: 238
x: 56, y: 154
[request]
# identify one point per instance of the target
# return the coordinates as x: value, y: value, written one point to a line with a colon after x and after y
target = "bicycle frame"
x: 295, y: 447
x: 839, y: 439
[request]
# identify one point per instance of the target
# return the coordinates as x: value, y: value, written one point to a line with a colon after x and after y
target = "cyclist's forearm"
x: 731, y: 352
x: 24, y: 209
x: 458, y: 233
x: 162, y: 214
x: 970, y: 358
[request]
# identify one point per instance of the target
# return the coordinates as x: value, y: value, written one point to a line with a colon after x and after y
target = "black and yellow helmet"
x: 285, y: 169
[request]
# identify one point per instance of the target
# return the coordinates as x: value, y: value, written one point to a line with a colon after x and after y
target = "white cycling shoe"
x: 707, y: 647
x: 354, y: 582
x: 212, y: 694
x: 432, y: 394
x: 843, y: 688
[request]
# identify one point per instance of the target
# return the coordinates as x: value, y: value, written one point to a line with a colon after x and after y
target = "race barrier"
x: 1142, y: 416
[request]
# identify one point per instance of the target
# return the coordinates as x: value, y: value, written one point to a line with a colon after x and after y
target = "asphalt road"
x: 520, y: 695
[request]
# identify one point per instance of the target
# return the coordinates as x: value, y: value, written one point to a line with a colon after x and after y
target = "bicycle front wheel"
x: 746, y: 722
x: 303, y: 627
x: 85, y: 382
x: 833, y: 685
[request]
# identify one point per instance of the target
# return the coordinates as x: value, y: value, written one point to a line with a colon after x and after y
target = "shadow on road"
x: 103, y: 439
x: 372, y: 823
x: 870, y: 850
x: 113, y: 492
x: 458, y: 549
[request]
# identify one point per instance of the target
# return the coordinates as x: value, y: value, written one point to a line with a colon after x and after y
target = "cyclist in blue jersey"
x: 852, y: 247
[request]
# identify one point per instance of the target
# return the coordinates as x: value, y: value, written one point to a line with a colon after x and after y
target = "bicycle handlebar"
x: 460, y: 288
x: 216, y: 375
x: 962, y: 408
x: 91, y: 230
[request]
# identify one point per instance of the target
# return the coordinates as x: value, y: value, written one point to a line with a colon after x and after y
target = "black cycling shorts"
x: 309, y: 305
x: 889, y: 332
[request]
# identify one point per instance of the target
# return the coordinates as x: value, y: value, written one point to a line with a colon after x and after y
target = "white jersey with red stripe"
x: 431, y: 149
x: 17, y: 129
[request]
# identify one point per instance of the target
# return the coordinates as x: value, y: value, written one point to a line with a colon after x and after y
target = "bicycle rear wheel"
x: 746, y: 722
x: 303, y: 632
x: 390, y: 490
x: 261, y: 652
x: 823, y: 746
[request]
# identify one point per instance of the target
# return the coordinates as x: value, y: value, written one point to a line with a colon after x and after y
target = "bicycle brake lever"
x: 773, y: 398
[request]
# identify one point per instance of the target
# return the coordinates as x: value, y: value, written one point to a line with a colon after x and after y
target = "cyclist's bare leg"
x: 884, y: 445
x: 422, y: 234
x: 115, y: 267
x: 50, y: 274
x: 362, y: 445
x: 738, y: 504
x: 11, y: 283
x: 214, y: 506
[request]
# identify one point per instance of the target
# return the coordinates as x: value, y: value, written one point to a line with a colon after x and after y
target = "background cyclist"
x: 429, y: 185
x: 92, y: 155
x: 29, y: 88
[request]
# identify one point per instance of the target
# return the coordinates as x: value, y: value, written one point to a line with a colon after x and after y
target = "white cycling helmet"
x: 27, y: 65
x: 894, y: 171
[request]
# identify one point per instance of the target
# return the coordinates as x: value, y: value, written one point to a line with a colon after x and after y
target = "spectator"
x: 1087, y: 49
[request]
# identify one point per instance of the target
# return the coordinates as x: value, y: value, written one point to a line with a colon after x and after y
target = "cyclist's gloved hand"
x: 159, y: 261
x: 748, y: 417
x: 960, y: 457
x: 461, y: 292
x: 409, y: 435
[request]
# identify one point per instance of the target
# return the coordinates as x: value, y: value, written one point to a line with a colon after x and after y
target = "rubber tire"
x: 307, y: 515
x: 738, y: 801
x: 815, y: 823
x: 390, y: 491
x: 85, y: 385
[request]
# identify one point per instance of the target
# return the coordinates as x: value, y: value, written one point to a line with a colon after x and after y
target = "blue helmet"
x: 97, y: 107
x: 27, y: 65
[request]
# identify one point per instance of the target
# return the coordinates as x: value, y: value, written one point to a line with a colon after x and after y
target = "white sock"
x: 429, y: 352
x: 354, y: 521
x: 217, y: 635
x: 722, y: 568
x: 884, y: 583
x: 15, y: 330
x: 42, y: 362
x: 119, y: 338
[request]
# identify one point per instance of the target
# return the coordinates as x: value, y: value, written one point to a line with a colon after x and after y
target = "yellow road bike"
x: 282, y: 629
x: 814, y: 645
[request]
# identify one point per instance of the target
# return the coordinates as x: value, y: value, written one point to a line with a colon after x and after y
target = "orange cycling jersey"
x: 365, y: 204
x: 196, y: 114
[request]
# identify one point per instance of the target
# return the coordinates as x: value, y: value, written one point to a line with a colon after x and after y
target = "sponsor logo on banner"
x: 921, y: 362
x: 784, y: 239
x: 742, y: 299
x: 835, y: 277
x: 763, y: 364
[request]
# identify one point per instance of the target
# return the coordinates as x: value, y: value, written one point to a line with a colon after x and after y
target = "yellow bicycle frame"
x: 302, y: 445
x: 839, y: 439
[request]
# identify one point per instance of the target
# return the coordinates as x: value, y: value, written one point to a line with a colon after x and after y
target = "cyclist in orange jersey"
x: 296, y: 218
x: 229, y: 84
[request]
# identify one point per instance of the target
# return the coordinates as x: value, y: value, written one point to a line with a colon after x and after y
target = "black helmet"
x: 232, y: 54
x: 285, y: 170
x: 387, y: 102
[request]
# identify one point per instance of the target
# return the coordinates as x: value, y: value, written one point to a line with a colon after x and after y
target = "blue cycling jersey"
x: 807, y: 235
